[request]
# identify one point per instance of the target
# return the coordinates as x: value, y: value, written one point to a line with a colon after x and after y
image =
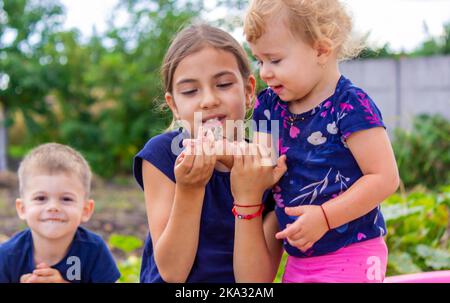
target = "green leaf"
x: 403, y: 263
x: 435, y: 258
x: 399, y: 211
x: 129, y: 270
x: 125, y: 243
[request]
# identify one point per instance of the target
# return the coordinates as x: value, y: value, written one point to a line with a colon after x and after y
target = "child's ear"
x: 250, y: 91
x: 20, y: 208
x: 88, y: 210
x: 171, y: 103
x: 324, y: 50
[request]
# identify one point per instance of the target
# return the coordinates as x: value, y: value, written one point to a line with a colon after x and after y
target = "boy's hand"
x: 45, y: 274
x: 309, y: 227
x: 195, y: 165
x: 251, y: 176
x: 25, y: 278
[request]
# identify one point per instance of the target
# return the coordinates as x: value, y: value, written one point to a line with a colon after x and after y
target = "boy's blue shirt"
x: 87, y: 261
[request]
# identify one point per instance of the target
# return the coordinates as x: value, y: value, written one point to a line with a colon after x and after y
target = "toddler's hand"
x: 309, y: 228
x: 45, y: 274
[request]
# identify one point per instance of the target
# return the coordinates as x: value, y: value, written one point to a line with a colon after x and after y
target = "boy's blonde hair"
x: 310, y: 20
x: 54, y: 158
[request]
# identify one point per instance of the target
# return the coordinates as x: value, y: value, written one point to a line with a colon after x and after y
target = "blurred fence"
x: 404, y: 88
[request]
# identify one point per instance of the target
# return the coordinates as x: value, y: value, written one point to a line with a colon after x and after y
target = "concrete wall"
x: 404, y: 88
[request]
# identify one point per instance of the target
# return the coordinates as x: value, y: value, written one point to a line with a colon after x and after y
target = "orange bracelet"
x: 250, y: 216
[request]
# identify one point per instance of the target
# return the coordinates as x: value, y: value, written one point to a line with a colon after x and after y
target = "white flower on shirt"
x: 332, y: 128
x: 317, y: 138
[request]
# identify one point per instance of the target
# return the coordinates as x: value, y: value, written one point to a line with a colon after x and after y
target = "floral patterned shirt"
x: 320, y: 164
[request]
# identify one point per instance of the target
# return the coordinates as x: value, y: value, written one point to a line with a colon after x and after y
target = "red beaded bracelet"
x: 250, y: 216
x: 239, y: 205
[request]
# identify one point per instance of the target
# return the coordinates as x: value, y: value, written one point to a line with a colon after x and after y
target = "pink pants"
x: 362, y: 262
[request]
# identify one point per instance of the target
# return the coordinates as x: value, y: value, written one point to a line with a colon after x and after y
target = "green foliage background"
x: 102, y: 96
x: 423, y: 154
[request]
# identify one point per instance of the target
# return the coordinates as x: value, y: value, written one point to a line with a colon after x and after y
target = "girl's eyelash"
x: 189, y: 92
x: 260, y: 63
x: 224, y: 84
x: 193, y: 91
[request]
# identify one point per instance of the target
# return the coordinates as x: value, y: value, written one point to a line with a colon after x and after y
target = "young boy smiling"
x: 54, y: 184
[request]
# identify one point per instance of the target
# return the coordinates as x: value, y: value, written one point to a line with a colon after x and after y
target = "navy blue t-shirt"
x: 87, y: 261
x: 214, y: 260
x: 320, y: 164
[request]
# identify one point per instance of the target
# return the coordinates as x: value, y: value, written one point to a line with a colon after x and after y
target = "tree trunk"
x: 3, y: 139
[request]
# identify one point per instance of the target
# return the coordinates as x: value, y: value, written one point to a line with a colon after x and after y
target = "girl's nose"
x: 209, y: 99
x: 265, y: 72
